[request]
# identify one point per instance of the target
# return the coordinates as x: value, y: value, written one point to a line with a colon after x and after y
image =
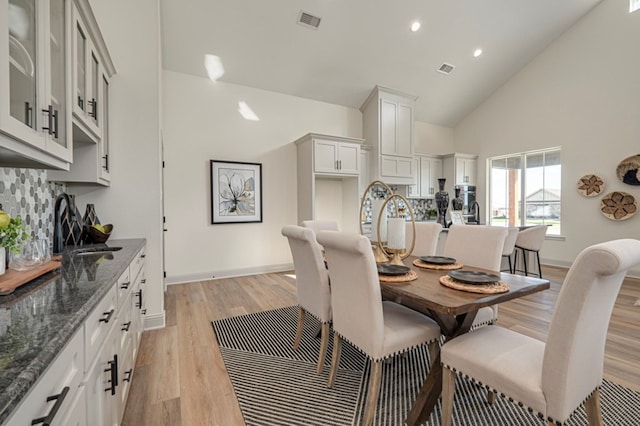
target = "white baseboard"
x: 229, y: 273
x: 563, y: 264
x: 152, y: 322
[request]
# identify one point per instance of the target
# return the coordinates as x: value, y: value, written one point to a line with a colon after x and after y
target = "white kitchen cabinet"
x: 101, y: 383
x: 52, y: 396
x: 92, y: 70
x: 35, y: 118
x: 365, y: 168
x: 327, y: 191
x: 335, y: 156
x: 388, y: 127
x: 429, y: 169
x: 459, y: 169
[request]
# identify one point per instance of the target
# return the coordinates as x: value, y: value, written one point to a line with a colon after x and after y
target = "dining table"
x: 454, y: 310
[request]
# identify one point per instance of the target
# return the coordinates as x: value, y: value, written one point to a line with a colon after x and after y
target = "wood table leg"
x: 432, y: 386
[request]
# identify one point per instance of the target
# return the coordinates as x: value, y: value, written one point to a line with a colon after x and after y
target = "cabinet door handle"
x: 94, y: 108
x: 125, y: 286
x: 107, y: 317
x: 127, y: 374
x: 106, y: 162
x: 113, y: 369
x: 27, y: 114
x: 125, y: 326
x: 56, y: 125
x: 81, y: 103
x: 139, y: 294
x: 49, y: 127
x: 143, y: 256
x: 143, y: 281
x: 59, y: 398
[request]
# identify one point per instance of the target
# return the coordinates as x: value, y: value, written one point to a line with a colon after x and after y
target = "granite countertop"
x: 39, y: 318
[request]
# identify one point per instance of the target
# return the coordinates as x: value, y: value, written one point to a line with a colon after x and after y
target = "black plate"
x: 474, y: 277
x: 392, y: 270
x: 438, y: 260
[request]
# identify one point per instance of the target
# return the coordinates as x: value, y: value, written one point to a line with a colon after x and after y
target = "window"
x: 525, y: 190
x: 634, y: 5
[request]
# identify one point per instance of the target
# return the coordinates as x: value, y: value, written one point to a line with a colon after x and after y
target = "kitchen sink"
x: 85, y: 251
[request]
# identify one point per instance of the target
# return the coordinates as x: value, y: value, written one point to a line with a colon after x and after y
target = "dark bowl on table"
x: 95, y: 236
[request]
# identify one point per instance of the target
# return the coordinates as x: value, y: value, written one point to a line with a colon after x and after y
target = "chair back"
x: 312, y: 278
x: 532, y: 238
x: 510, y: 241
x: 355, y: 290
x: 476, y: 245
x: 427, y: 234
x: 321, y: 225
x: 574, y: 354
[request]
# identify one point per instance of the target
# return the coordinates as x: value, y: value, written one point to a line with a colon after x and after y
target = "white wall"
x: 582, y: 94
x: 201, y: 123
x: 133, y: 202
x: 433, y: 139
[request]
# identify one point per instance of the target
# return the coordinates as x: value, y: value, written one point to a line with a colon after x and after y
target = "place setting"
x: 474, y: 282
x: 439, y: 263
x: 391, y: 273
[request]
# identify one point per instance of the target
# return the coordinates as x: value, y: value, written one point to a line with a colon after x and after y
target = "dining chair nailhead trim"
x: 482, y: 324
x: 388, y: 356
x: 315, y: 316
x: 531, y: 410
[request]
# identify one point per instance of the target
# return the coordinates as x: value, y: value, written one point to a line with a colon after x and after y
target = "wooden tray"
x: 13, y: 279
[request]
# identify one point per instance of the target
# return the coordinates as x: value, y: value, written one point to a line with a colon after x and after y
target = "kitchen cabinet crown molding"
x: 328, y: 137
x: 96, y: 35
x: 379, y: 89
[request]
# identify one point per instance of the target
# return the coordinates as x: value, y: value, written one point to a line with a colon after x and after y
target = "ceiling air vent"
x: 446, y: 68
x: 309, y: 20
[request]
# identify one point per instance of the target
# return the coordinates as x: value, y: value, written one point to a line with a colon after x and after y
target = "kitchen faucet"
x: 58, y: 241
x: 475, y: 208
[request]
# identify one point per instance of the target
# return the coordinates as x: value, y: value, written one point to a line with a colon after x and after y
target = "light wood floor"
x: 180, y: 378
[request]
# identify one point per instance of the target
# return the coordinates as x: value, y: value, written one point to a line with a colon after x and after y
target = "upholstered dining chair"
x: 555, y: 378
x: 379, y: 329
x: 510, y: 247
x: 530, y: 240
x: 479, y: 246
x: 427, y: 234
x: 312, y: 282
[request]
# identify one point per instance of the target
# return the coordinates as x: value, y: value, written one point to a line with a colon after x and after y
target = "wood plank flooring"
x: 180, y: 378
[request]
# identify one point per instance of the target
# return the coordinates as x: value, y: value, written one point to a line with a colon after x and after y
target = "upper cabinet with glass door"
x: 35, y: 117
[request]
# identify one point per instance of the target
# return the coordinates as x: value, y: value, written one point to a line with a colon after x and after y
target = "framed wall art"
x: 236, y: 192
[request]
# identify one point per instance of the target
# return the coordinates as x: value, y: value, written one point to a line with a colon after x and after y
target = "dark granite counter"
x: 39, y: 318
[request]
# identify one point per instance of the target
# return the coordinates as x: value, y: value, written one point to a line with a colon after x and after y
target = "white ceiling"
x: 361, y: 43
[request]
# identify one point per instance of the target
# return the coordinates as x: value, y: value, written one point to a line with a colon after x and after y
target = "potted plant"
x: 432, y: 213
x: 12, y: 234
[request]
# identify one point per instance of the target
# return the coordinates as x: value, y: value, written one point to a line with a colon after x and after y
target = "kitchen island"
x: 39, y: 320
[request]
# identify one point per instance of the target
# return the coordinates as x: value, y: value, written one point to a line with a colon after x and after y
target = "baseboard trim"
x: 229, y: 273
x: 153, y: 322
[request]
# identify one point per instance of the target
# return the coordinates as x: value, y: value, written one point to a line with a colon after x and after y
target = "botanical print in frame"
x: 236, y: 192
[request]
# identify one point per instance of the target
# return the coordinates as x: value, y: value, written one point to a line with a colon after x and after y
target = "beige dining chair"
x: 510, y: 247
x: 379, y: 329
x: 530, y: 240
x: 427, y: 234
x: 555, y: 378
x: 479, y: 246
x: 312, y: 284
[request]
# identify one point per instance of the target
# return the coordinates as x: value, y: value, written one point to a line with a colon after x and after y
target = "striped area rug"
x: 276, y: 385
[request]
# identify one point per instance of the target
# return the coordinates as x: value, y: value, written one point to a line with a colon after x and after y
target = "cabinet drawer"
x: 124, y: 286
x: 99, y: 323
x: 61, y: 380
x: 137, y: 264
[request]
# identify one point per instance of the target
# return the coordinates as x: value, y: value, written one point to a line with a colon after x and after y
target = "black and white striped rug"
x: 276, y: 385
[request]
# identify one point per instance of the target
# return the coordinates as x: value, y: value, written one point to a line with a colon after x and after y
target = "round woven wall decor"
x: 628, y: 170
x: 618, y: 205
x: 590, y: 185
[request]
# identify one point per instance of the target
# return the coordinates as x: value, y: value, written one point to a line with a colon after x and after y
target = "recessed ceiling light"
x: 415, y: 26
x: 477, y: 53
x: 214, y: 67
x: 247, y: 112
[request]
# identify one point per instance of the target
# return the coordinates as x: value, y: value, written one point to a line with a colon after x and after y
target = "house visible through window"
x: 634, y: 5
x: 525, y: 190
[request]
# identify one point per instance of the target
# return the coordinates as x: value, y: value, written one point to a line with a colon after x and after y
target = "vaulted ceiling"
x: 361, y: 43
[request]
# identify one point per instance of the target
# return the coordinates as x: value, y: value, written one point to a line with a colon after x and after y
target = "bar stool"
x: 530, y: 240
x: 510, y: 247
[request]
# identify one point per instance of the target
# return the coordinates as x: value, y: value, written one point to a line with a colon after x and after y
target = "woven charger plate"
x: 399, y: 279
x: 497, y: 287
x: 424, y: 265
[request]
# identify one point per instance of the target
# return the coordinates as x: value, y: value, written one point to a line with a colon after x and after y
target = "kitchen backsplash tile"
x: 28, y: 194
x: 418, y: 205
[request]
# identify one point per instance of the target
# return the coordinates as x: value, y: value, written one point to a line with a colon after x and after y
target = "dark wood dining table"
x: 454, y: 311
